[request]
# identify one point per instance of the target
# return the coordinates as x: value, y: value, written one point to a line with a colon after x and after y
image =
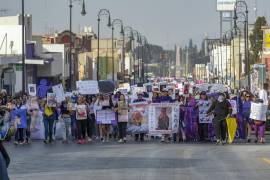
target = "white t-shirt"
x: 263, y: 95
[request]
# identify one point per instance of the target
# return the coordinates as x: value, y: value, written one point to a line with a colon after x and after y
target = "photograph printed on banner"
x: 81, y: 112
x: 51, y: 100
x: 204, y: 106
x: 163, y: 118
x: 138, y: 118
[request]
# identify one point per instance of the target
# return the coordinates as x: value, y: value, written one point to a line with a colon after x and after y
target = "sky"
x: 163, y: 22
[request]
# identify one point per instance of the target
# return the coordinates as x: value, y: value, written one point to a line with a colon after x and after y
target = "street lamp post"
x: 83, y: 13
x: 23, y: 51
x: 129, y: 31
x: 144, y: 44
x: 241, y: 8
x: 101, y: 13
x: 226, y: 44
x: 138, y: 36
x: 239, y: 55
x: 114, y: 23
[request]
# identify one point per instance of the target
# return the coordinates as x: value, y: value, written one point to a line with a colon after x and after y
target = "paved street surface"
x: 147, y: 161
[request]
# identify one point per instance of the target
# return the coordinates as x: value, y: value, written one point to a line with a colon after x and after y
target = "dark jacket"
x: 220, y: 110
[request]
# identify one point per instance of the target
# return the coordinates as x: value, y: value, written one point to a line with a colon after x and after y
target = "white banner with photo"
x: 32, y: 89
x: 258, y: 111
x: 163, y: 118
x: 87, y: 87
x: 138, y: 118
x: 59, y: 92
x: 51, y: 99
x: 203, y: 106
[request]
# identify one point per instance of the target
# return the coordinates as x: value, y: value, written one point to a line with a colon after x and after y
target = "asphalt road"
x: 147, y: 161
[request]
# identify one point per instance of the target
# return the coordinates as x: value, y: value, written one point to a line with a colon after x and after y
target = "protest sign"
x: 51, y: 100
x: 37, y: 126
x: 32, y: 103
x: 203, y: 106
x: 59, y: 92
x: 122, y: 112
x: 234, y: 106
x: 71, y: 106
x: 138, y: 118
x: 81, y: 113
x: 106, y: 117
x: 163, y: 118
x: 87, y: 87
x: 32, y: 89
x: 18, y: 118
x: 258, y: 111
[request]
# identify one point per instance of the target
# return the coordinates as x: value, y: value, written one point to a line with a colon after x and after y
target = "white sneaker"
x: 103, y: 141
x: 89, y: 140
x: 125, y: 139
x: 120, y: 140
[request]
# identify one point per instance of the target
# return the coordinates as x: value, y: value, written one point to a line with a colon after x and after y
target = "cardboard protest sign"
x: 258, y: 111
x: 32, y: 89
x: 81, y: 113
x: 163, y: 118
x: 106, y: 117
x: 59, y: 92
x: 19, y: 118
x: 203, y: 106
x: 51, y: 99
x: 87, y: 87
x: 138, y: 118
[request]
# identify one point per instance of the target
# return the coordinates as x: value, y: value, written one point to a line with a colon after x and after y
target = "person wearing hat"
x: 221, y: 109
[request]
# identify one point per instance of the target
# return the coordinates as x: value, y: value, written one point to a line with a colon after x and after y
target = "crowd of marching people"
x: 76, y: 117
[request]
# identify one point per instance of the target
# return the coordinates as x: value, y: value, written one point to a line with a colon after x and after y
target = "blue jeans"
x: 3, y: 168
x: 48, y: 126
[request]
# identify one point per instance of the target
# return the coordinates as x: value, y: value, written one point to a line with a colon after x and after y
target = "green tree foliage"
x: 256, y: 39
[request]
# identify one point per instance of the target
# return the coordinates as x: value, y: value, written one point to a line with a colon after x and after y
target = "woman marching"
x: 203, y: 105
x: 246, y: 106
x: 122, y: 112
x: 81, y: 116
x: 221, y: 109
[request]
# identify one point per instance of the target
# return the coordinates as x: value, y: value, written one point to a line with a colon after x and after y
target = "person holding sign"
x: 139, y: 99
x: 246, y: 106
x: 203, y: 105
x: 49, y: 117
x: 261, y: 108
x: 66, y: 118
x: 81, y: 116
x: 122, y: 112
x: 106, y: 104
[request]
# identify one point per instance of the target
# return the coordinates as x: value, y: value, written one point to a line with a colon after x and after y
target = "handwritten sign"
x: 87, y: 87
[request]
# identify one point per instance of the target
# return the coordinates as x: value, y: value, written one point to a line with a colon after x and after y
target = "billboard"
x: 267, y: 41
x: 11, y: 36
x: 225, y: 5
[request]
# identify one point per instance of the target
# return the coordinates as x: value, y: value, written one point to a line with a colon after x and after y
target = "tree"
x: 256, y: 39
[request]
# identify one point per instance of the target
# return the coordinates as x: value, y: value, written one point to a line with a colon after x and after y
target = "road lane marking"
x: 266, y: 160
